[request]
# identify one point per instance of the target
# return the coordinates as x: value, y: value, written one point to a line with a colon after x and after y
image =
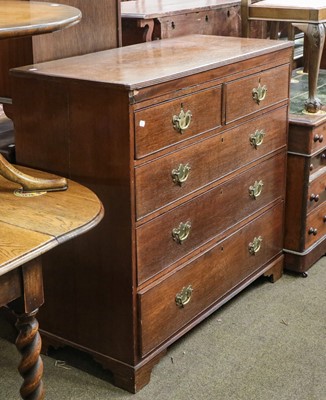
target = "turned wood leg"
x: 31, y: 366
x: 315, y: 34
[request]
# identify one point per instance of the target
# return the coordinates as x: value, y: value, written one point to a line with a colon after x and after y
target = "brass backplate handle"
x: 182, y: 121
x: 180, y: 174
x: 259, y: 93
x: 184, y: 296
x: 256, y: 189
x: 255, y: 245
x: 181, y: 233
x: 256, y: 139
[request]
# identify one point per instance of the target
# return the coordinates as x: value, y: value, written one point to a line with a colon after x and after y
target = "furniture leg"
x: 148, y: 26
x: 29, y: 345
x: 28, y: 341
x: 315, y: 34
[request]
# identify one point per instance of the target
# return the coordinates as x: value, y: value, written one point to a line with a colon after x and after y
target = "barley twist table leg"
x: 30, y: 368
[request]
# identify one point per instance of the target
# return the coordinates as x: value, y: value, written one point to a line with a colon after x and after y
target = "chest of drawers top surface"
x: 146, y: 64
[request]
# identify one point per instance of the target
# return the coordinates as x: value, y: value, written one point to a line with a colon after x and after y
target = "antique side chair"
x: 308, y: 16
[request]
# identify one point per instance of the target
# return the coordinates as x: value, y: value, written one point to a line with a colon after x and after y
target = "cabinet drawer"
x: 316, y: 225
x: 159, y: 126
x: 317, y: 189
x: 208, y: 161
x: 239, y: 93
x: 305, y: 140
x: 161, y: 242
x: 211, y: 276
x: 318, y: 162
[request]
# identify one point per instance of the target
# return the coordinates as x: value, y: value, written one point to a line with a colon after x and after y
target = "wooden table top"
x: 290, y: 10
x: 146, y: 9
x: 30, y: 226
x: 24, y: 18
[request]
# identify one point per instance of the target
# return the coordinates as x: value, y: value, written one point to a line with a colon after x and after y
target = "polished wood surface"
x: 305, y: 206
x: 300, y: 10
x: 102, y: 111
x: 206, y: 166
x: 25, y: 18
x: 154, y: 9
x: 147, y: 20
x: 190, y: 55
x: 29, y: 227
x: 99, y: 29
x: 309, y: 17
x: 42, y: 221
x: 210, y: 276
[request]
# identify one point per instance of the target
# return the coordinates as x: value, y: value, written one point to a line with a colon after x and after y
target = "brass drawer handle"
x: 180, y: 174
x: 182, y: 121
x: 184, y: 296
x: 256, y: 189
x: 257, y: 138
x: 259, y: 93
x: 181, y: 233
x: 255, y: 245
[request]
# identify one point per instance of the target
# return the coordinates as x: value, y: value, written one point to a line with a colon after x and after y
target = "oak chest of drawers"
x: 184, y: 141
x: 305, y: 218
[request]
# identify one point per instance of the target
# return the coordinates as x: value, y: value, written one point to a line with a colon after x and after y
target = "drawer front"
x: 180, y: 173
x: 316, y: 225
x: 305, y: 140
x: 209, y: 278
x: 164, y: 124
x: 239, y: 94
x: 317, y: 138
x: 317, y: 190
x: 175, y: 234
x: 318, y: 162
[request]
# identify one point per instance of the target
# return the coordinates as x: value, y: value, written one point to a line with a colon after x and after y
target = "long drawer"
x: 180, y: 173
x: 173, y: 235
x: 172, y: 303
x: 167, y: 123
x: 269, y: 86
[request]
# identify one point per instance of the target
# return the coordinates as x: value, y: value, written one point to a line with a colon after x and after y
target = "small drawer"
x: 318, y: 139
x: 316, y: 189
x: 175, y: 234
x: 316, y: 225
x: 167, y: 123
x: 180, y: 173
x: 317, y: 162
x: 305, y: 140
x: 174, y: 302
x: 256, y: 92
